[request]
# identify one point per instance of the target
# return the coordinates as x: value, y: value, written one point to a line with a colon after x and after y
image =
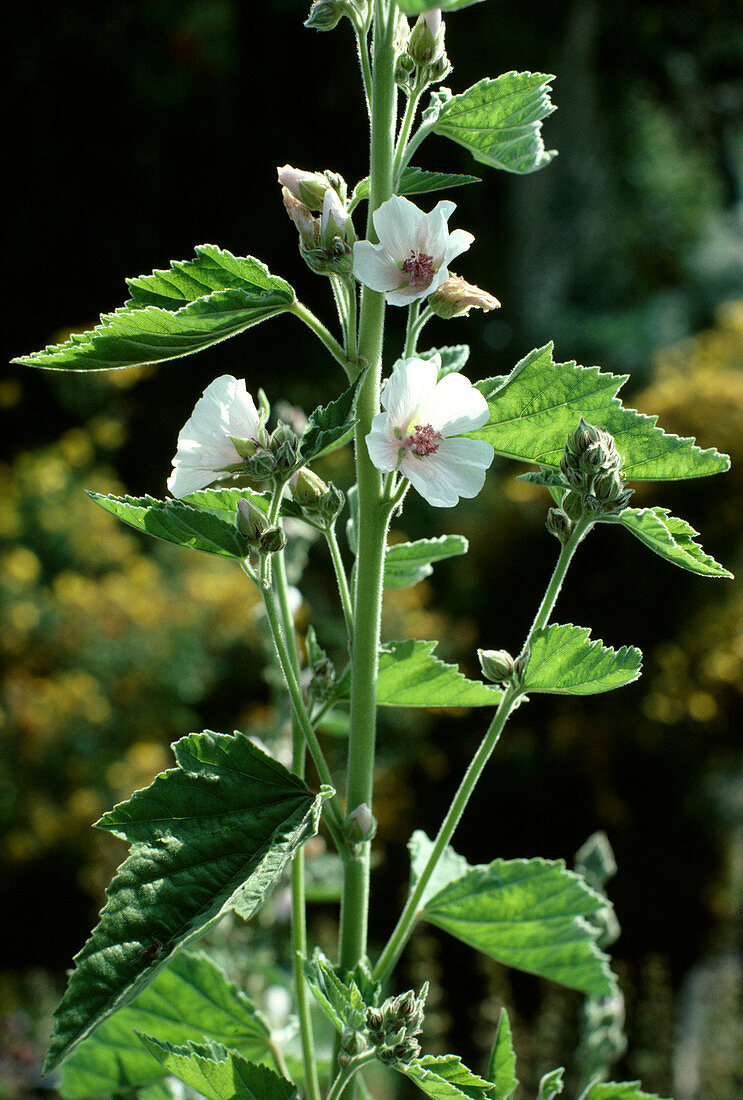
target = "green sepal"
x: 551, y: 1084
x: 177, y: 522
x: 502, y: 1061
x: 410, y: 676
x: 415, y: 181
x: 564, y: 660
x: 671, y: 538
x: 446, y: 1078
x: 526, y: 913
x: 331, y: 426
x: 500, y: 121
x: 539, y: 404
x: 415, y: 7
x: 211, y: 834
x: 189, y: 307
x: 190, y: 998
x: 408, y: 563
x: 611, y: 1090
x: 217, y: 1073
x: 453, y: 358
x: 341, y: 1001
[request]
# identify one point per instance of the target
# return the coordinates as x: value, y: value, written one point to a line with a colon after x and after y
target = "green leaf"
x: 671, y: 538
x: 446, y: 1078
x: 528, y: 914
x: 213, y: 833
x: 190, y: 998
x: 450, y: 866
x: 177, y: 522
x: 192, y: 305
x: 500, y: 121
x: 415, y: 181
x: 551, y: 1084
x: 410, y: 676
x: 330, y: 426
x: 415, y: 7
x: 535, y: 408
x: 609, y: 1090
x: 225, y: 501
x: 453, y: 358
x: 502, y: 1064
x: 342, y: 1002
x: 219, y: 1074
x: 407, y: 563
x: 563, y: 660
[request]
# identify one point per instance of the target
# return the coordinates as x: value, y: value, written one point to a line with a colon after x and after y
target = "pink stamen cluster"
x: 419, y: 267
x: 424, y: 440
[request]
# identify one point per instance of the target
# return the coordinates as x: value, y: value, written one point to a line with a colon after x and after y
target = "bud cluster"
x: 269, y: 456
x: 252, y: 523
x: 500, y: 667
x: 591, y: 467
x: 325, y: 242
x: 421, y: 58
x: 319, y: 501
x: 393, y: 1026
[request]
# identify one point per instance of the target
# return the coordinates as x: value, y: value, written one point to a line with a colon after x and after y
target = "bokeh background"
x: 141, y: 129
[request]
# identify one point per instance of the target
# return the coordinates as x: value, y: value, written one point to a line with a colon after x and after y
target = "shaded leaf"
x: 500, y: 121
x: 502, y: 1062
x: 177, y: 522
x: 330, y: 425
x: 564, y: 660
x: 415, y: 7
x: 342, y: 1002
x: 528, y: 914
x: 212, y: 833
x: 539, y: 404
x: 446, y: 1078
x: 190, y: 999
x: 453, y: 358
x: 551, y: 1084
x: 671, y: 538
x: 407, y: 563
x: 192, y: 305
x: 609, y: 1090
x: 410, y: 676
x: 415, y: 181
x: 219, y: 1074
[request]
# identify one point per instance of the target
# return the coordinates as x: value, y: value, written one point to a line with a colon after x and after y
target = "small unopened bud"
x: 373, y: 1019
x: 583, y: 437
x: 326, y: 14
x: 335, y: 219
x: 427, y: 38
x: 361, y: 825
x: 456, y: 297
x: 306, y: 224
x: 559, y: 524
x: 272, y: 539
x: 332, y: 503
x: 352, y: 1042
x: 307, y: 488
x: 284, y: 447
x: 250, y: 520
x: 407, y: 1050
x: 496, y: 664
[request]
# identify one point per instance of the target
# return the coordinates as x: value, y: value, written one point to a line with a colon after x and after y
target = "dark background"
x: 141, y: 129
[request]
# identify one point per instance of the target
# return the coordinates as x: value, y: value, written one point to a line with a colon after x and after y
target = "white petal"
x: 407, y: 389
x: 407, y: 294
x: 188, y: 479
x: 373, y: 267
x: 437, y: 233
x: 459, y: 242
x: 456, y: 406
x: 398, y: 223
x: 384, y: 449
x: 457, y: 469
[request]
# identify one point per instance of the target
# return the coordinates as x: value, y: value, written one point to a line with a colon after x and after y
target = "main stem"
x: 373, y: 513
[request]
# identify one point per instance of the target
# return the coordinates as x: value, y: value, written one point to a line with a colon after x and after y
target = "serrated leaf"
x: 453, y: 358
x: 407, y: 563
x: 224, y: 501
x: 551, y: 1084
x: 450, y: 866
x: 528, y: 914
x: 341, y: 1001
x: 539, y: 404
x: 500, y: 121
x: 446, y: 1078
x: 219, y: 1074
x: 415, y: 7
x: 610, y: 1090
x: 564, y: 660
x: 212, y: 833
x: 410, y: 676
x: 177, y: 522
x: 415, y: 181
x: 331, y: 425
x: 502, y: 1062
x: 671, y: 538
x: 189, y: 307
x: 190, y: 999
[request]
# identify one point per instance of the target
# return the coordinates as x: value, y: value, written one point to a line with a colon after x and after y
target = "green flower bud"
x: 307, y: 488
x: 407, y: 1050
x: 326, y: 14
x: 373, y: 1019
x: 260, y: 466
x: 250, y: 520
x: 361, y: 826
x: 352, y: 1042
x: 331, y: 504
x: 572, y: 505
x: 559, y: 524
x: 426, y: 43
x: 272, y: 539
x: 496, y: 664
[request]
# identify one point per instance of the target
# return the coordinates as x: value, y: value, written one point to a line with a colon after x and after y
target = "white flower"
x: 420, y: 432
x: 414, y: 250
x: 205, y: 448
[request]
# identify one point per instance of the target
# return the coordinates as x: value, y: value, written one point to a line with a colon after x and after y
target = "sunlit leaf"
x: 217, y: 1073
x: 564, y: 660
x: 610, y: 1090
x: 177, y: 522
x: 410, y: 676
x: 502, y: 1062
x: 407, y: 563
x: 551, y: 1084
x: 671, y: 538
x: 331, y: 425
x: 415, y: 181
x: 446, y: 1078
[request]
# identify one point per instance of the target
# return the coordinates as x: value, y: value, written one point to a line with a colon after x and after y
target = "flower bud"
x: 352, y: 1042
x: 326, y: 14
x: 559, y: 524
x: 456, y: 297
x: 361, y: 825
x: 284, y: 446
x: 373, y: 1019
x: 261, y: 466
x: 332, y: 503
x: 307, y: 488
x: 427, y: 38
x: 407, y: 1050
x: 306, y: 224
x: 250, y: 520
x: 335, y: 220
x: 583, y: 437
x: 272, y: 539
x: 497, y: 665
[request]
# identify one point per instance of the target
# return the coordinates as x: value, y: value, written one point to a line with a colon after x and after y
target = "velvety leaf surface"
x: 213, y: 832
x: 527, y: 913
x: 192, y: 305
x: 502, y: 1063
x: 564, y: 660
x: 191, y: 999
x: 410, y: 676
x: 177, y: 522
x: 407, y: 563
x: 539, y: 404
x: 415, y: 181
x: 446, y: 1078
x: 225, y: 501
x: 500, y: 121
x: 342, y: 1002
x: 610, y: 1090
x: 671, y: 538
x: 450, y: 866
x: 330, y: 425
x: 219, y: 1074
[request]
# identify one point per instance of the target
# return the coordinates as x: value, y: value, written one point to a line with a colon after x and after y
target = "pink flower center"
x: 419, y: 267
x: 424, y: 440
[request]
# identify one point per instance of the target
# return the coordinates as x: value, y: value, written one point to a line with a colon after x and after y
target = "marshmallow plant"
x: 214, y: 833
